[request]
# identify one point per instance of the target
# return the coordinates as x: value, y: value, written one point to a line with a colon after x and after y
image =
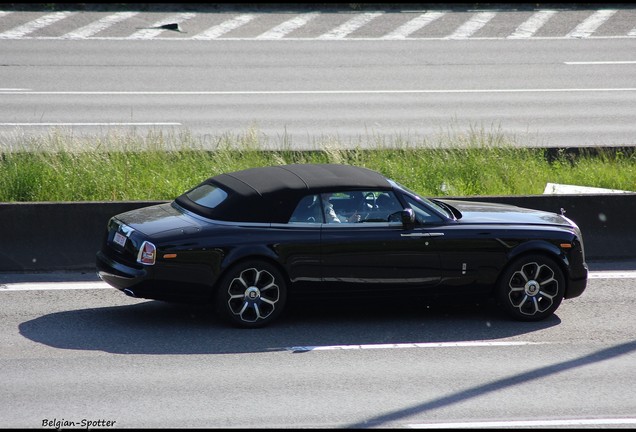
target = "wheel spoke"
x: 546, y: 294
x: 243, y: 309
x: 268, y: 301
x: 548, y: 281
x: 535, y: 304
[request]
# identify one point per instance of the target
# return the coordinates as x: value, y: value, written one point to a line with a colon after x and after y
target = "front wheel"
x: 531, y: 288
x: 252, y: 294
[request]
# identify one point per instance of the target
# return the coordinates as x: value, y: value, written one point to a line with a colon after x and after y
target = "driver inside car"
x: 330, y: 213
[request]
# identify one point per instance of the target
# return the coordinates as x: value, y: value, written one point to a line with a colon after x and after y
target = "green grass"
x: 61, y: 167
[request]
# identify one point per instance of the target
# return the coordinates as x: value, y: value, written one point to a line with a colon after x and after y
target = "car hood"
x: 159, y: 221
x: 485, y: 212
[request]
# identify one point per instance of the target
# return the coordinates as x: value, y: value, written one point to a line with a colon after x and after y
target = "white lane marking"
x: 612, y: 274
x: 406, y: 29
x: 522, y: 423
x: 471, y: 26
x: 532, y: 24
x: 411, y: 345
x: 288, y: 26
x: 305, y: 92
x: 350, y: 26
x: 224, y: 27
x: 28, y: 286
x: 45, y: 286
x: 600, y: 62
x: 591, y: 24
x: 149, y: 33
x: 99, y: 25
x: 95, y: 124
x: 34, y: 25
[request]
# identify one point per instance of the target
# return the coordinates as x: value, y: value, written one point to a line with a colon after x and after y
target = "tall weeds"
x: 60, y: 166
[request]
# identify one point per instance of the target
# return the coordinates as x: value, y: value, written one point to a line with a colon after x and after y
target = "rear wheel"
x: 531, y: 288
x: 252, y: 294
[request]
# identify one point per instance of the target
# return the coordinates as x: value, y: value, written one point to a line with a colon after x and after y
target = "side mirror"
x: 408, y: 216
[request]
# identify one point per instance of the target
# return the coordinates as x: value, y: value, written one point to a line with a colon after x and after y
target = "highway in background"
x: 543, y: 77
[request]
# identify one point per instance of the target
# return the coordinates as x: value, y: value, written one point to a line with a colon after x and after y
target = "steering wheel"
x: 367, y: 204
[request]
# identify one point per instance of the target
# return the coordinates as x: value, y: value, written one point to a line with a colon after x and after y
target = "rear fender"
x: 240, y: 254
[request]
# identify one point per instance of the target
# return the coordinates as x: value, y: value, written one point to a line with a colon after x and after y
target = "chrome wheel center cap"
x: 532, y: 288
x: 252, y: 293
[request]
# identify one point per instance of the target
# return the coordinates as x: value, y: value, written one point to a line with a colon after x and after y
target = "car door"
x: 378, y: 255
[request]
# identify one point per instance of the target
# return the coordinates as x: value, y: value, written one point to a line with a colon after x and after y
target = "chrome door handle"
x: 435, y: 234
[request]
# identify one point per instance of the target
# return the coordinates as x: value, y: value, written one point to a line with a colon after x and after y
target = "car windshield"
x: 426, y: 201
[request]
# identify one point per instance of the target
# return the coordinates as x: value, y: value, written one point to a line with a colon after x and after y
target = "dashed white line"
x: 612, y: 274
x: 45, y: 286
x: 34, y: 25
x: 288, y: 26
x: 350, y: 26
x: 460, y: 344
x: 100, y: 25
x: 600, y: 62
x: 30, y: 286
x: 532, y: 24
x: 525, y: 423
x: 471, y: 26
x: 413, y: 25
x: 149, y: 33
x: 224, y: 27
x: 591, y: 24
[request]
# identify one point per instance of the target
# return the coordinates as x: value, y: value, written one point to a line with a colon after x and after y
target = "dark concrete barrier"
x: 55, y: 236
x: 38, y: 237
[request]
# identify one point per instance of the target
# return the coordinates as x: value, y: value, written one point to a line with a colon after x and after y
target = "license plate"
x: 119, y: 239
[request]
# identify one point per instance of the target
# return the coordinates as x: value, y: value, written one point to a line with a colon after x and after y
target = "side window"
x: 380, y: 205
x: 360, y: 206
x: 308, y: 210
x: 340, y: 207
x: 423, y: 214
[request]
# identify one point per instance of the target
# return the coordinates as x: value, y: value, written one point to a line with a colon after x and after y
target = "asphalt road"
x: 559, y: 88
x: 74, y: 351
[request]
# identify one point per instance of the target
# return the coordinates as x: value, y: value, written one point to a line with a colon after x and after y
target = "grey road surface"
x: 75, y: 351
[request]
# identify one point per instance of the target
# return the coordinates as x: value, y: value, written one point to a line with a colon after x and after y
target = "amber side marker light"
x: 169, y: 256
x: 566, y: 245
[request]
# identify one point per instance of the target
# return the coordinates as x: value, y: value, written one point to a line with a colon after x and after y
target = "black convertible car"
x: 245, y: 240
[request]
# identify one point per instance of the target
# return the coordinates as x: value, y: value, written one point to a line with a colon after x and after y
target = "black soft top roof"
x: 270, y: 194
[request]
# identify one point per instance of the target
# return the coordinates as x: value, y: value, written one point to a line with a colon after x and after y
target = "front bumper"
x: 577, y: 285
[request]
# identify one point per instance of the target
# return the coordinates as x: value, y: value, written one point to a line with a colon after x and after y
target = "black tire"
x: 251, y: 294
x: 531, y: 288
